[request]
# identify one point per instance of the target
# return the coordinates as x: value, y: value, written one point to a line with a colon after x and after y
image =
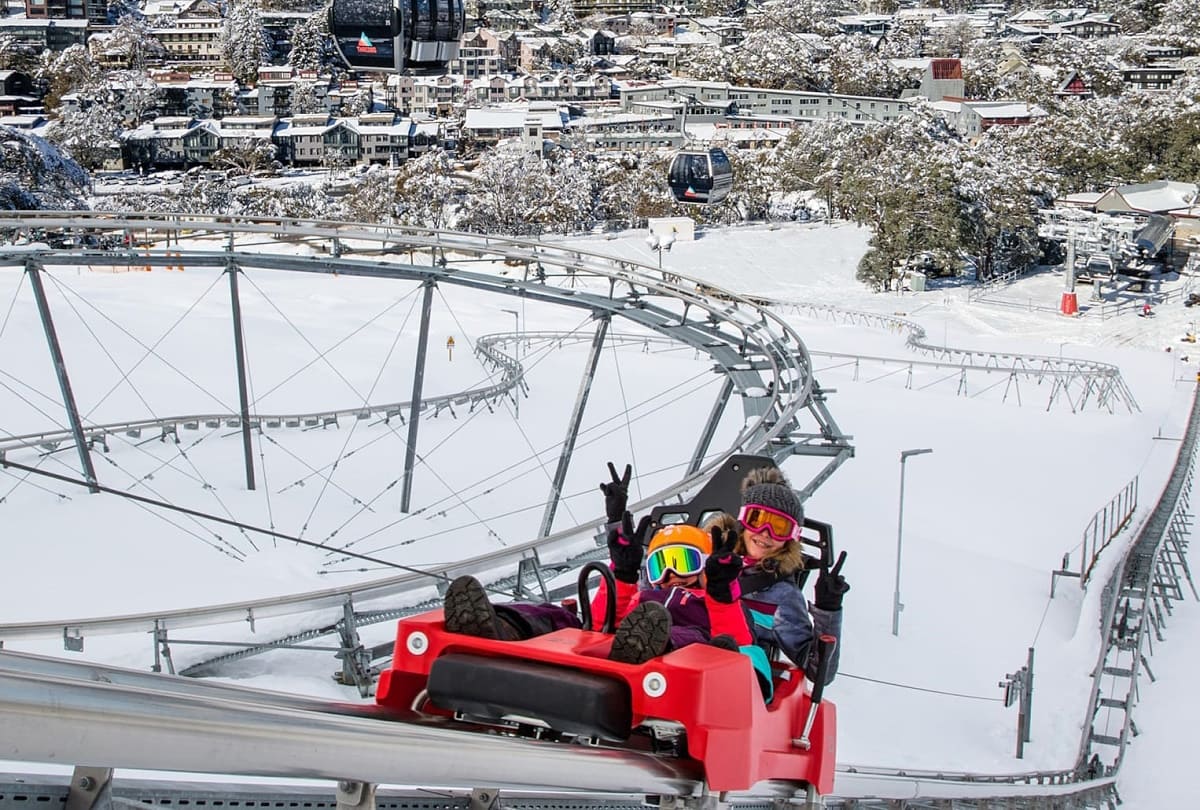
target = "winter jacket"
x: 689, y: 607
x: 780, y: 616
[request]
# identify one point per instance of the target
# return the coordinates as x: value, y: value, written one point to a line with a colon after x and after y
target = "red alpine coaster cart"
x: 700, y: 702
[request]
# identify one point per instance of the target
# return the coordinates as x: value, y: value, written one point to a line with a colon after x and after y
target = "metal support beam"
x: 414, y: 412
x: 356, y: 659
x: 710, y: 427
x: 564, y: 458
x: 60, y: 369
x: 239, y: 350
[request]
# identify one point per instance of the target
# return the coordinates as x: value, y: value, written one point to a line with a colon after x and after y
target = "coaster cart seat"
x: 700, y: 702
x: 564, y: 681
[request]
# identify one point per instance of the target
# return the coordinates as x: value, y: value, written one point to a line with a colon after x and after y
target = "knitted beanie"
x: 773, y: 494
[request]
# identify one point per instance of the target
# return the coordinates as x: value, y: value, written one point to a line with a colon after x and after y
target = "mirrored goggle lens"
x: 779, y: 526
x: 686, y: 561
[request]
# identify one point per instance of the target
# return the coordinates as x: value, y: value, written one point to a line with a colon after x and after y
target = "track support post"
x: 414, y: 413
x: 239, y: 350
x: 34, y: 271
x: 568, y: 447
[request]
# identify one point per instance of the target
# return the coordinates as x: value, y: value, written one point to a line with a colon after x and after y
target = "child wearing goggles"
x: 690, y: 596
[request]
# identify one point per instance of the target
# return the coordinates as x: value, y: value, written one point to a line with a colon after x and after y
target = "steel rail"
x: 59, y: 711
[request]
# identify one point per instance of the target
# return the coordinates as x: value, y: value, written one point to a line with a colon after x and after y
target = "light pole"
x: 517, y: 325
x: 896, y: 606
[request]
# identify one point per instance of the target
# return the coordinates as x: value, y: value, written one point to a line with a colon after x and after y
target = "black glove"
x: 616, y: 493
x: 722, y: 568
x: 626, y: 548
x: 831, y: 586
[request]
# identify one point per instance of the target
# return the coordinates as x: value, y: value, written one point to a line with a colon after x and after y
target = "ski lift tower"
x: 1070, y: 302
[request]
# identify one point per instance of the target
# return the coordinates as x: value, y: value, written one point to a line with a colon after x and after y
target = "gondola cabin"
x: 700, y: 176
x: 397, y: 35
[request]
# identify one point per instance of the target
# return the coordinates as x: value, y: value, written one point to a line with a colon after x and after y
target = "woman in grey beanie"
x: 770, y: 520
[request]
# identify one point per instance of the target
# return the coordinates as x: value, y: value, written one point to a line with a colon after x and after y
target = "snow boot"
x: 467, y: 611
x: 642, y: 635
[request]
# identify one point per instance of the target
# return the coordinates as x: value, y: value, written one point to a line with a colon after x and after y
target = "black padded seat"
x: 567, y: 700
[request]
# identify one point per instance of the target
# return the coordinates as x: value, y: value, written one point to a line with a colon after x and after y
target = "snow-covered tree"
x: 372, y: 198
x: 903, y: 41
x: 1134, y: 16
x: 517, y: 192
x: 798, y: 16
x: 767, y: 59
x: 717, y: 8
x: 245, y: 40
x: 855, y: 68
x: 1091, y: 58
x: 246, y: 157
x: 122, y: 8
x: 306, y: 99
x: 425, y: 191
x: 88, y: 134
x: 629, y: 187
x: 17, y: 55
x: 35, y: 174
x: 1000, y: 194
x: 561, y: 15
x: 310, y: 43
x: 132, y: 91
x: 294, y: 201
x: 1179, y: 25
x: 68, y: 71
x: 131, y: 40
x: 954, y: 39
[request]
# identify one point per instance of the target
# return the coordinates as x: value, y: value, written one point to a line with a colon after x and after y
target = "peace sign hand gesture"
x: 831, y: 586
x: 616, y: 493
x: 722, y: 568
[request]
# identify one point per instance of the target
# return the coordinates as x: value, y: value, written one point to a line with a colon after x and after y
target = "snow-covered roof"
x: 1083, y: 198
x: 1005, y: 109
x: 1159, y: 195
x: 500, y: 118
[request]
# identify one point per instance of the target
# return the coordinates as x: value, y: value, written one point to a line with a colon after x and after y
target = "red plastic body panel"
x: 713, y: 693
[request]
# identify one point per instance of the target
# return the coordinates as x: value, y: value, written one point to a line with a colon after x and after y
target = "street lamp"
x: 660, y: 242
x: 896, y: 606
x: 517, y: 394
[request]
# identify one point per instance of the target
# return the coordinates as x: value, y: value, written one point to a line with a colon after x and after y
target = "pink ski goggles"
x: 779, y: 525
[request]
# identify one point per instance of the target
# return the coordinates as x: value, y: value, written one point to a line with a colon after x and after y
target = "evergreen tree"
x: 244, y: 40
x: 310, y: 43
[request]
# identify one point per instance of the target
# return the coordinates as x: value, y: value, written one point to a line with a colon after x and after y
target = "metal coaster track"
x: 764, y: 359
